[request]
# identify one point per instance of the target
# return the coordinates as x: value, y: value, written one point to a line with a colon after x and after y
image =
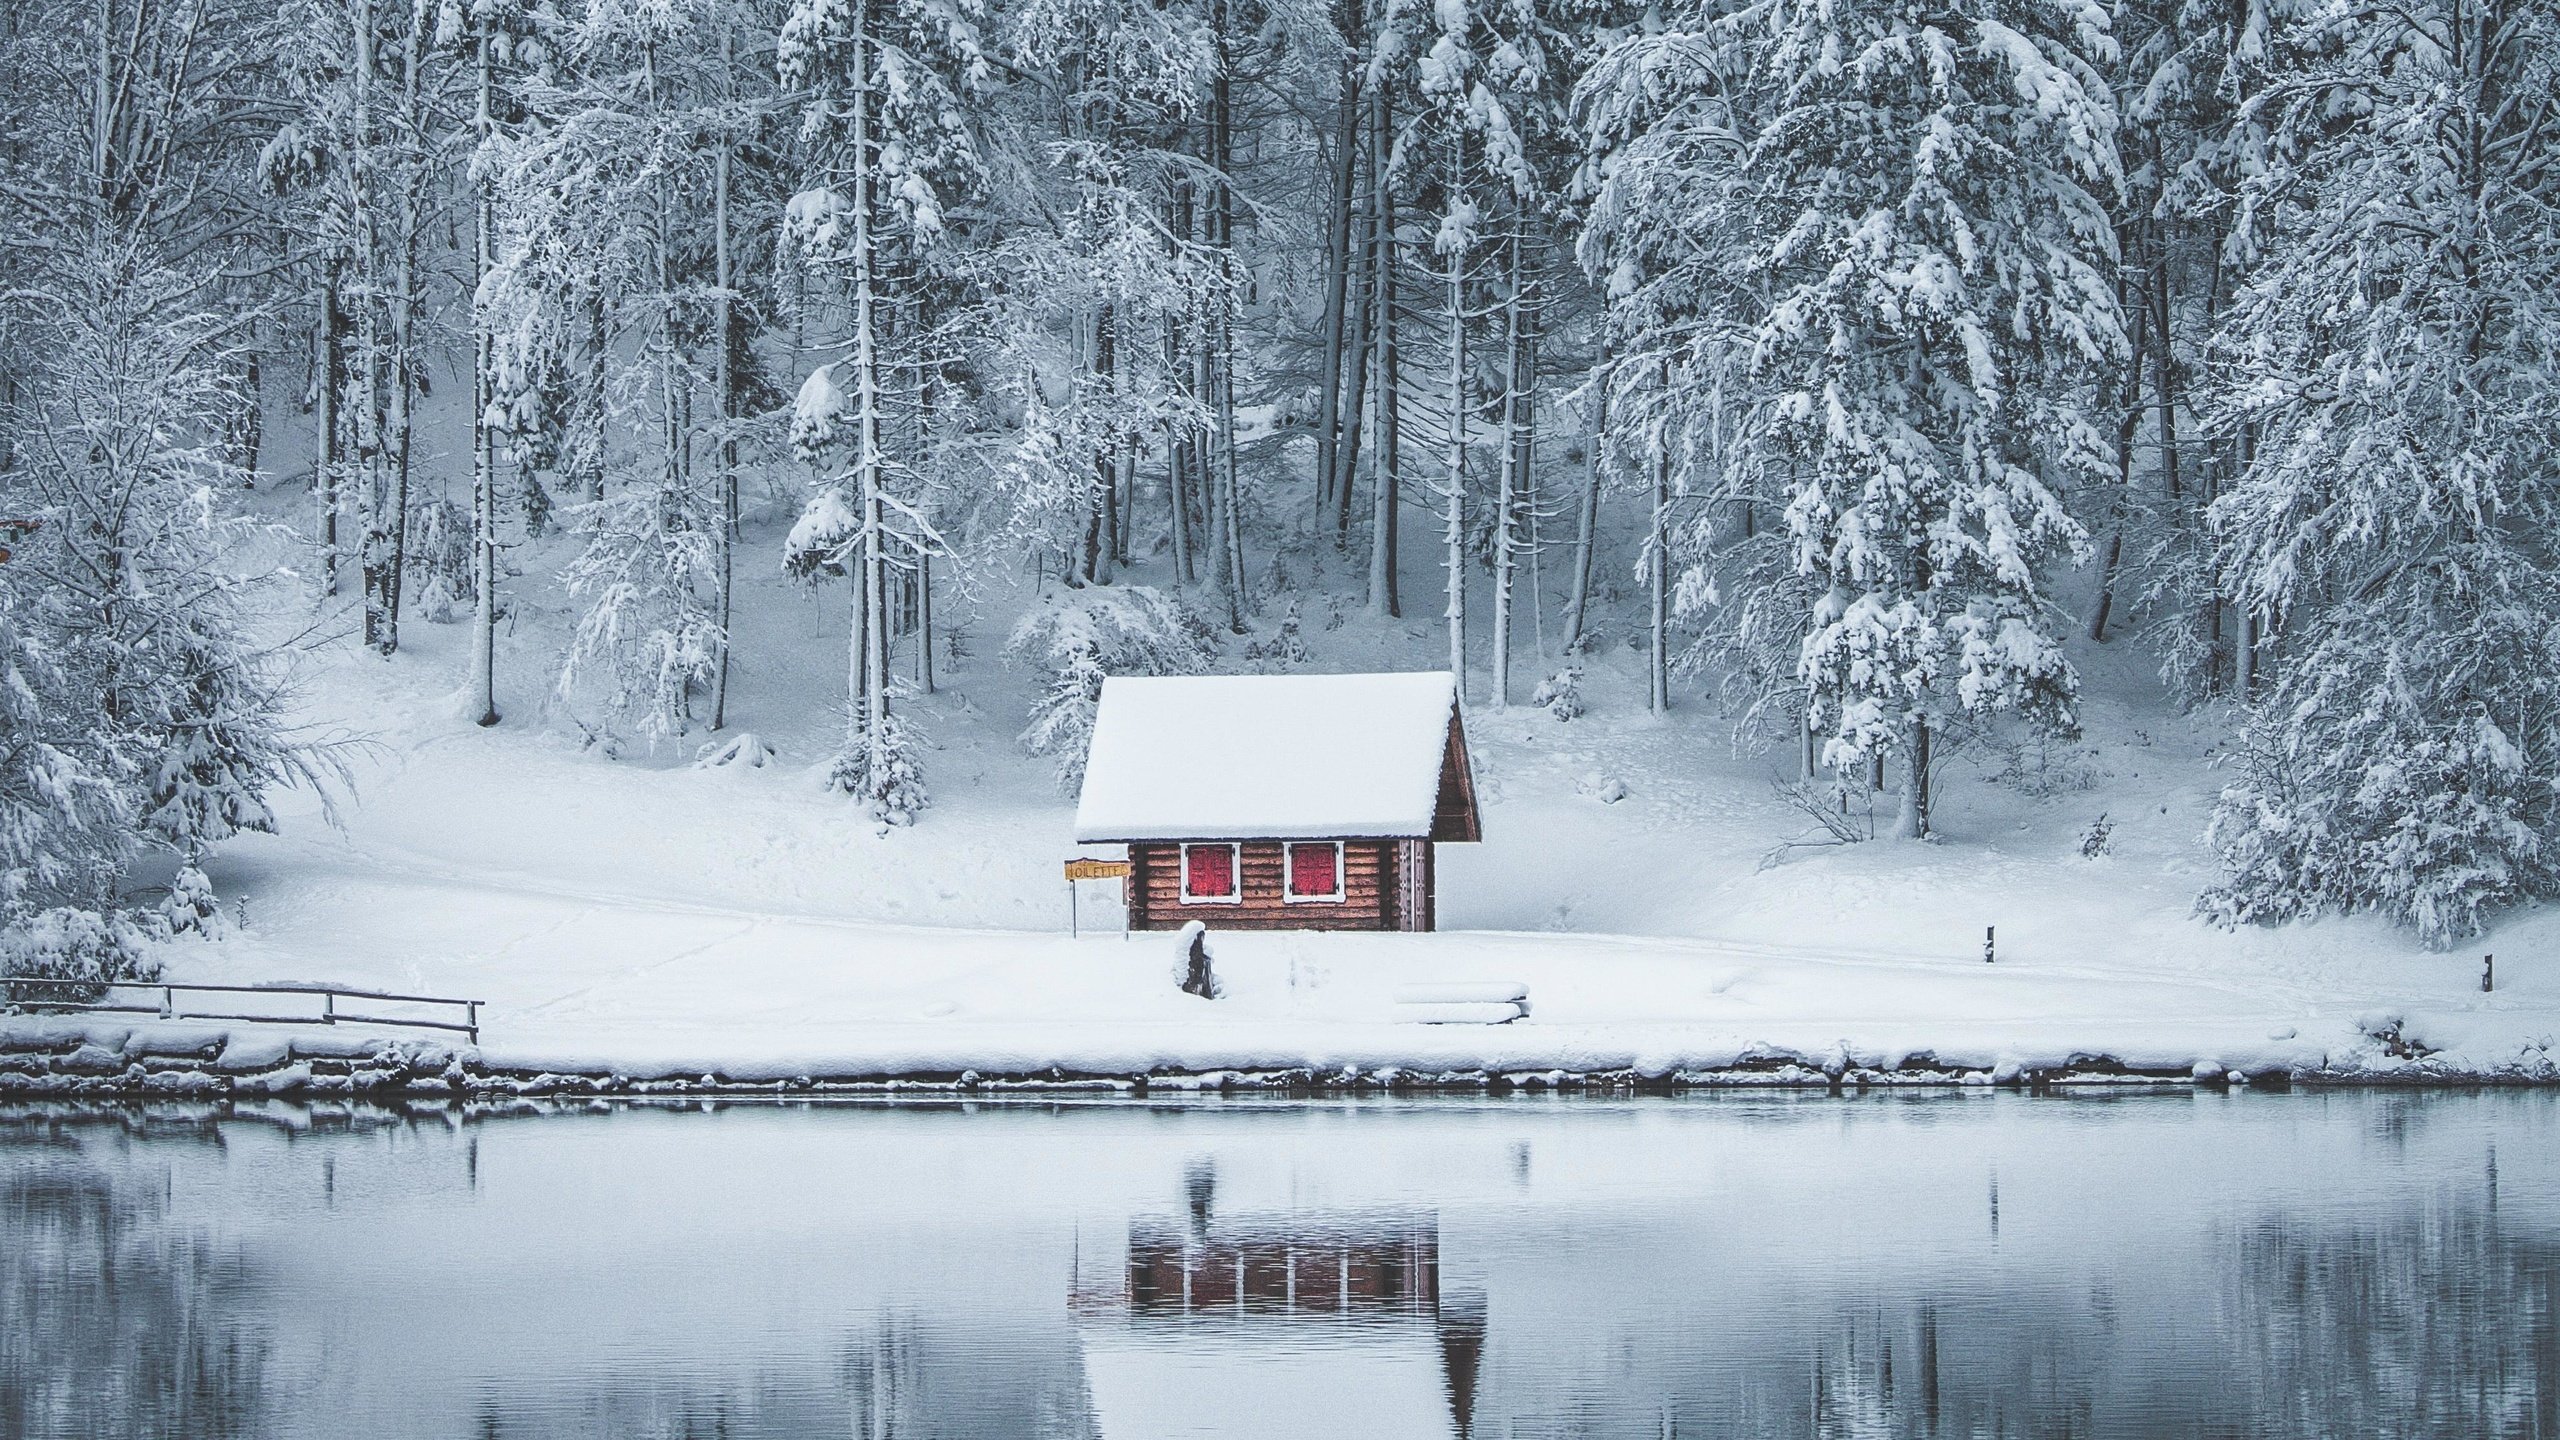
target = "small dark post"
x: 1986, y: 944
x: 2488, y: 973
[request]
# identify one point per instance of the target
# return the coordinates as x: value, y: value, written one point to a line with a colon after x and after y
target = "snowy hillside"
x: 656, y: 916
x: 673, y: 480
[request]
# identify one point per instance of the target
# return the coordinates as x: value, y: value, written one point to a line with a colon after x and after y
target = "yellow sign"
x: 1082, y: 869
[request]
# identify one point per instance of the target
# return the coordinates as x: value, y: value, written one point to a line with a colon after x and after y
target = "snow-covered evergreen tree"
x: 881, y: 83
x: 1075, y: 639
x: 1905, y: 226
x: 598, y: 244
x: 148, y: 716
x: 2387, y: 369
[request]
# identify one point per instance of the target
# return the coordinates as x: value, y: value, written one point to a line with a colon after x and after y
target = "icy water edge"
x: 2209, y: 1264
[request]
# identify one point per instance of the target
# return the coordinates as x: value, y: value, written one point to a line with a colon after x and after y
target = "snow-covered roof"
x: 1261, y: 757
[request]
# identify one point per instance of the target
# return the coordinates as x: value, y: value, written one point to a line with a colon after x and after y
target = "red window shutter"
x: 1208, y: 870
x: 1315, y: 870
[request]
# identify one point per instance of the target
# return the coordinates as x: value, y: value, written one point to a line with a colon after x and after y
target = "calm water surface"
x: 2353, y: 1264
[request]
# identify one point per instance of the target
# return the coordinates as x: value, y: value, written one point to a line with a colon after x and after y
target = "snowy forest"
x: 1841, y: 369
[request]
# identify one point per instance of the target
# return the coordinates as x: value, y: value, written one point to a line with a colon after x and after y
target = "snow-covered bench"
x: 1480, y: 1002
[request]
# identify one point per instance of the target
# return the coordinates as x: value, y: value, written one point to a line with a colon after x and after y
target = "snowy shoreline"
x: 62, y: 1057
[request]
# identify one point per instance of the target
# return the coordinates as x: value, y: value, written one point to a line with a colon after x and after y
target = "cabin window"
x: 1314, y: 872
x: 1209, y: 875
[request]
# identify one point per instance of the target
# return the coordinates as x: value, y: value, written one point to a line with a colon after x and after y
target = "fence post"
x: 329, y: 1007
x: 474, y: 1018
x: 1986, y: 944
x: 168, y: 1002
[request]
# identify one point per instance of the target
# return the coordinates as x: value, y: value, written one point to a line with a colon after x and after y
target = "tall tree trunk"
x: 724, y: 398
x: 1506, y: 514
x: 375, y: 548
x: 484, y: 470
x: 924, y: 618
x: 1454, y: 484
x: 328, y: 421
x: 1360, y: 284
x: 1587, y: 517
x: 2128, y: 426
x: 1337, y: 272
x: 1099, y: 543
x: 402, y: 388
x: 873, y: 642
x: 1386, y: 396
x: 1911, y: 821
x: 1657, y: 565
x: 1124, y: 484
x: 1227, y: 507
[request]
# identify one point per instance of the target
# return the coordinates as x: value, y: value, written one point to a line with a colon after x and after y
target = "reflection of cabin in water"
x: 1280, y: 802
x: 1280, y: 1326
x: 1376, y: 1271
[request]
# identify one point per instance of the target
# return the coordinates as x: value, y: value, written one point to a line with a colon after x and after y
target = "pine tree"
x: 1903, y: 222
x: 152, y: 720
x: 881, y: 82
x: 2387, y: 368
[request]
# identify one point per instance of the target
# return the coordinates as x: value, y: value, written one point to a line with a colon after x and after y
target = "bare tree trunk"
x: 1387, y: 400
x: 484, y: 473
x: 1176, y: 455
x: 1587, y: 517
x: 1338, y: 266
x: 1657, y: 567
x: 874, y: 638
x: 1099, y: 542
x: 1911, y: 822
x: 1360, y: 283
x: 375, y: 558
x: 724, y: 396
x: 1454, y: 485
x: 1228, y: 530
x: 1506, y: 514
x: 924, y: 619
x: 329, y: 422
x: 404, y: 327
x: 1124, y: 484
x: 2127, y: 427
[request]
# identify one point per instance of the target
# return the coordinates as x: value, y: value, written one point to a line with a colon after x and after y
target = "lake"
x: 2218, y: 1264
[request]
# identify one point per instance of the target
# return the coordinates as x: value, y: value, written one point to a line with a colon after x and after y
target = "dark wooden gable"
x: 1453, y: 814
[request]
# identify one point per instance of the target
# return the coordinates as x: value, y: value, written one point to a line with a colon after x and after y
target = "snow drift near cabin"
x: 1267, y: 757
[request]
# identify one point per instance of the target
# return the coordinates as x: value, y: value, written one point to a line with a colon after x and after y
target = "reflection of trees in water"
x: 112, y: 1321
x: 910, y: 1381
x: 2437, y: 1323
x: 2431, y: 1325
x: 897, y: 1378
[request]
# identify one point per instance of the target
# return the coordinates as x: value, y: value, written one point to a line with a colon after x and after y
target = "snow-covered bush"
x: 94, y: 948
x: 890, y: 785
x: 648, y: 642
x: 2407, y: 774
x: 1560, y: 694
x: 1075, y: 638
x: 438, y: 560
x: 1287, y: 645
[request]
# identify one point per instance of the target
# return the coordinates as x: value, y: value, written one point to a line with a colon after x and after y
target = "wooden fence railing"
x: 467, y: 1022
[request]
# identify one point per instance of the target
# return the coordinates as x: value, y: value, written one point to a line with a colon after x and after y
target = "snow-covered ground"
x: 646, y: 915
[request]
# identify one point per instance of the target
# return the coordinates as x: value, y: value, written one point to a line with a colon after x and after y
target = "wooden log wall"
x: 1368, y: 891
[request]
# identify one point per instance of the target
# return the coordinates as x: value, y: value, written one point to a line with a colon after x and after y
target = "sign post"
x: 1087, y: 868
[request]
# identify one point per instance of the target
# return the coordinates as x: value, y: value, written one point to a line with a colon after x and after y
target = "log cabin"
x: 1279, y: 802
